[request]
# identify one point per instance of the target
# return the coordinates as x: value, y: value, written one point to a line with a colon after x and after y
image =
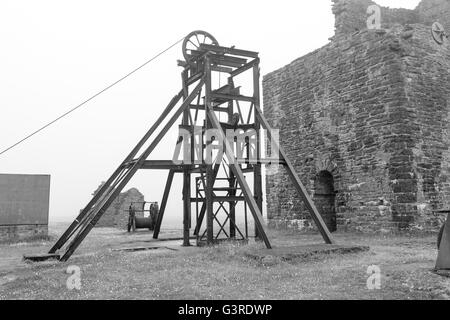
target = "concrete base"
x: 22, y: 232
x: 301, y: 252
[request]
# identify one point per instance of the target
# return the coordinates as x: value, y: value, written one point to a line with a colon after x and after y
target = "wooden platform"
x: 442, y: 273
x: 142, y: 248
x: 306, y: 251
x: 41, y: 257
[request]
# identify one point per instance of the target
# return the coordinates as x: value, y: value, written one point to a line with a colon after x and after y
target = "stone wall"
x: 117, y: 215
x: 22, y: 232
x: 435, y: 10
x: 351, y: 15
x: 426, y: 74
x: 371, y: 108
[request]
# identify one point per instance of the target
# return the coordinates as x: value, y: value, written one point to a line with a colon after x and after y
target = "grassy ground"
x: 225, y: 271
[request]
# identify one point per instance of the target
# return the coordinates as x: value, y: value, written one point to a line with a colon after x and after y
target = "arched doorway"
x: 324, y: 198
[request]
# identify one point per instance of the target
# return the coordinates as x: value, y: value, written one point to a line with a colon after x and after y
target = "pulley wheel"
x: 193, y: 41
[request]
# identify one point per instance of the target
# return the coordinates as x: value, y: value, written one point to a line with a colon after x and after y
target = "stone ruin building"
x: 117, y: 214
x: 366, y: 121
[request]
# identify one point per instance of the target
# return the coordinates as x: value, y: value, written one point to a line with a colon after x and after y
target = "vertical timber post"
x: 231, y: 179
x: 186, y: 173
x: 209, y: 167
x: 257, y: 178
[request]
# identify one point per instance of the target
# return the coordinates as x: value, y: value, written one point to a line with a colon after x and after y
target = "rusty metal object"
x: 438, y: 33
x: 143, y: 223
x: 139, y: 222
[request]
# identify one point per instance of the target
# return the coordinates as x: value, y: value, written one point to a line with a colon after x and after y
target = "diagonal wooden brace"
x: 297, y: 183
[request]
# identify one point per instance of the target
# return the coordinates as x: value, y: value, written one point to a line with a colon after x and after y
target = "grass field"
x: 224, y: 271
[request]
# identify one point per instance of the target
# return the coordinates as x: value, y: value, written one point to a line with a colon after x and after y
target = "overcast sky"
x: 54, y: 54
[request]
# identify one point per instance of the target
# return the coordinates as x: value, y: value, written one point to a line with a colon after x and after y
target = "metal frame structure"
x: 202, y: 104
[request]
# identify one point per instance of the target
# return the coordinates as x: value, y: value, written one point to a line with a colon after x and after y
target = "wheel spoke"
x: 199, y: 37
x: 193, y: 44
x: 199, y: 43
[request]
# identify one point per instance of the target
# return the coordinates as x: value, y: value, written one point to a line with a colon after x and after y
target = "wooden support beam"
x: 244, y: 127
x: 229, y: 97
x: 202, y: 108
x: 244, y: 68
x: 164, y: 200
x: 261, y: 161
x: 222, y: 69
x: 209, y: 168
x: 297, y: 183
x: 232, y: 179
x: 194, y: 78
x: 161, y: 165
x: 225, y: 50
x: 219, y: 58
x: 220, y: 199
x: 187, y: 120
x: 257, y: 176
x: 186, y: 207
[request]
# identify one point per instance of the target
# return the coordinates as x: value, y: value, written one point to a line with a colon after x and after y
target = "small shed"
x: 24, y: 206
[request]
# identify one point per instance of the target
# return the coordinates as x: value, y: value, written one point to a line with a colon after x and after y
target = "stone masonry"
x: 17, y: 233
x: 366, y: 122
x: 116, y: 216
